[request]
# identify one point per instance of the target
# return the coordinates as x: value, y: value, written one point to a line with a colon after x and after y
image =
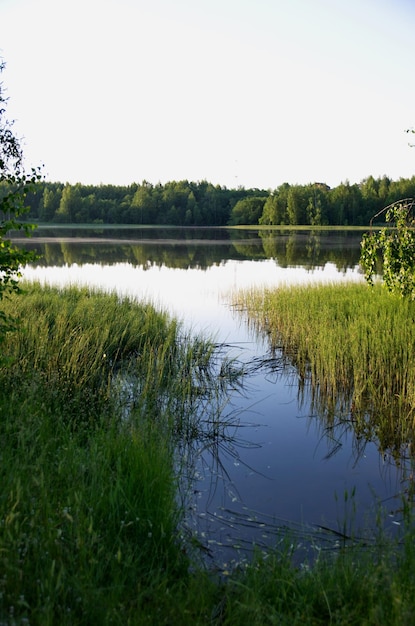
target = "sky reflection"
x: 199, y: 297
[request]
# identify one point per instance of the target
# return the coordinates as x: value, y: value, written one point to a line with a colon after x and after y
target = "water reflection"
x: 312, y: 248
x: 194, y: 248
x: 287, y: 471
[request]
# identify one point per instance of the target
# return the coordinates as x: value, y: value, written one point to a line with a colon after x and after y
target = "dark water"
x: 279, y: 465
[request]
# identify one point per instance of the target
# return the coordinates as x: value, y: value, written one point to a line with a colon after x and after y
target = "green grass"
x: 355, y: 346
x: 96, y: 396
x: 354, y: 587
x: 94, y: 392
x: 88, y: 530
x: 94, y: 354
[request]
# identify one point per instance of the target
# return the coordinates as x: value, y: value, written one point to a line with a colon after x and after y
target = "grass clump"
x: 73, y: 343
x: 354, y: 346
x: 95, y: 354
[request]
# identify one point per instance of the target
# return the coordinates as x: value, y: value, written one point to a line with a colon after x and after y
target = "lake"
x: 279, y: 467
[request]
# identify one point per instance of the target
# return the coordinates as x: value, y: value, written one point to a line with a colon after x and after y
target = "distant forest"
x: 185, y: 203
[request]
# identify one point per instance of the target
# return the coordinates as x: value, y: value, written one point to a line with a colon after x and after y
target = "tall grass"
x: 93, y: 392
x: 356, y: 348
x: 92, y: 352
x: 73, y: 342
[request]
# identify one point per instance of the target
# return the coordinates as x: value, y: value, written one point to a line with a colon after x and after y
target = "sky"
x: 250, y: 93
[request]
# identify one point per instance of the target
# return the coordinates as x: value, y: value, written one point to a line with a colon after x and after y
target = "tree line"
x: 184, y: 203
x: 179, y: 203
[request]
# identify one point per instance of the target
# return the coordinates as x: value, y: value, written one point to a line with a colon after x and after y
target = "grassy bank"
x: 95, y: 393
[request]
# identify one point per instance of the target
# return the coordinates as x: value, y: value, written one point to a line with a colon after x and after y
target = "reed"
x: 353, y: 345
x: 96, y: 353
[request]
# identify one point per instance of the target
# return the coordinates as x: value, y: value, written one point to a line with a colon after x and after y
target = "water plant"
x: 353, y: 350
x: 95, y: 352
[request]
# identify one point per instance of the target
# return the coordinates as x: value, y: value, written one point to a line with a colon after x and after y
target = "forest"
x: 184, y: 203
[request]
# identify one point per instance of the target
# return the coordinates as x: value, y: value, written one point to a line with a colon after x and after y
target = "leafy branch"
x: 15, y: 185
x: 393, y: 247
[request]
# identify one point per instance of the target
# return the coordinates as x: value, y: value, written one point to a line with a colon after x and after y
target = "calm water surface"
x: 282, y: 468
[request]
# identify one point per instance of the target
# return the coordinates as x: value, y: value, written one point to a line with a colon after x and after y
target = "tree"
x: 144, y: 204
x: 297, y: 205
x: 247, y: 211
x: 275, y: 207
x: 394, y: 246
x: 49, y: 204
x: 15, y: 185
x: 70, y: 204
x: 346, y: 205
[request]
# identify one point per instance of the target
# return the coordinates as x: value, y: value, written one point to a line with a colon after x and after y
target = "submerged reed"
x: 354, y: 345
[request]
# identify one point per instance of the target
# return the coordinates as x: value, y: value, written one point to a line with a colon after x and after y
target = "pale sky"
x: 248, y: 93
